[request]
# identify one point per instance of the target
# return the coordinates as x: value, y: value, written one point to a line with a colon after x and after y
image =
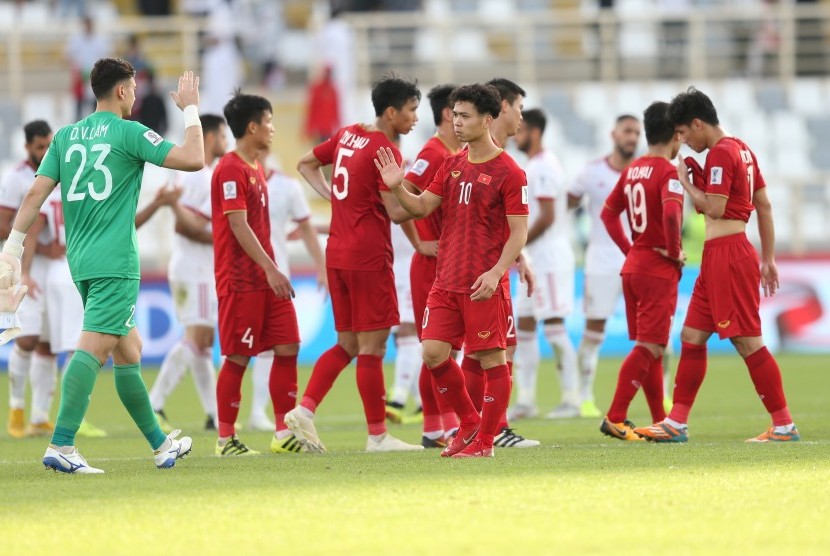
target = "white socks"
x: 19, y: 362
x: 174, y: 366
x: 526, y: 367
x: 204, y: 375
x: 588, y: 361
x: 43, y: 373
x: 262, y: 393
x: 407, y: 368
x: 566, y: 363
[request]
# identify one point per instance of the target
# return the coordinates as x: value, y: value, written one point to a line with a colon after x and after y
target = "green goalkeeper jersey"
x: 99, y: 163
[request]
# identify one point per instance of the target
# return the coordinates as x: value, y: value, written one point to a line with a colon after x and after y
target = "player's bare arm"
x: 165, y: 196
x: 396, y: 212
x: 525, y: 271
x: 243, y: 233
x: 29, y: 250
x: 713, y: 206
x: 766, y: 231
x: 426, y: 248
x: 392, y: 174
x: 312, y: 171
x: 192, y: 225
x: 543, y: 221
x: 190, y: 156
x: 486, y: 284
x: 312, y: 244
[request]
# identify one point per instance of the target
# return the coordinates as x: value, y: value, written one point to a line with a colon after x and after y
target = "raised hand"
x: 188, y: 91
x: 390, y: 172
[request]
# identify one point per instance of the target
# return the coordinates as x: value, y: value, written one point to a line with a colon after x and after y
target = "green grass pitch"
x: 580, y: 493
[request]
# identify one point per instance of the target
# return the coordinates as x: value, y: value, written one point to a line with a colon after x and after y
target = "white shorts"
x: 64, y: 309
x: 403, y: 287
x: 602, y: 294
x: 553, y: 297
x: 32, y: 310
x: 196, y: 303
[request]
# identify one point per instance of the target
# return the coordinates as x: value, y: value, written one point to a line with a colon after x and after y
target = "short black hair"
x: 393, y: 91
x: 535, y: 118
x: 658, y: 126
x: 244, y: 109
x: 692, y: 104
x: 36, y: 128
x: 439, y: 98
x: 508, y: 90
x: 624, y: 117
x: 107, y: 73
x: 484, y: 97
x: 211, y: 122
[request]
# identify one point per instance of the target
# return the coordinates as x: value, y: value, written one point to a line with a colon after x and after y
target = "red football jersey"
x: 732, y: 171
x: 360, y: 236
x: 426, y: 165
x: 477, y: 198
x: 641, y: 191
x: 238, y: 186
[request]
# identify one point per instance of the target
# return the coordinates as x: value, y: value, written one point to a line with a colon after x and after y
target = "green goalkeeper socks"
x: 133, y: 393
x: 76, y: 388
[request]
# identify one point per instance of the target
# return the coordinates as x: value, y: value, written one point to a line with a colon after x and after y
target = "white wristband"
x: 191, y: 116
x: 14, y: 245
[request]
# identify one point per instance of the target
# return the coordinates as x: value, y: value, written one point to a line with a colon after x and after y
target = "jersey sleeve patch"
x: 716, y: 176
x: 419, y: 167
x: 675, y: 187
x: 154, y: 138
x: 524, y: 194
x: 229, y: 190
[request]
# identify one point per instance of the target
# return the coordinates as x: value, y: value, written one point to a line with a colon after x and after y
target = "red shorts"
x: 510, y: 323
x: 421, y: 278
x: 453, y: 318
x: 727, y: 294
x: 363, y: 300
x: 253, y: 322
x: 649, y: 306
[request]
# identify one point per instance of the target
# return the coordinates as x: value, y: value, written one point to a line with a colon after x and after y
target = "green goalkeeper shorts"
x: 109, y: 304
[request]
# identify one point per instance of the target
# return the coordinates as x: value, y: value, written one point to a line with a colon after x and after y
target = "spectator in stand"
x: 152, y: 111
x: 323, y: 111
x: 82, y: 51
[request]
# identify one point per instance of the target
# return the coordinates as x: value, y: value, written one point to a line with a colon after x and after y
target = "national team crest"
x: 455, y: 173
x: 252, y: 180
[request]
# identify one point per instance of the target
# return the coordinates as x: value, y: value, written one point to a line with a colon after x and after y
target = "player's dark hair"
x: 535, y: 118
x: 484, y: 97
x: 439, y: 98
x: 107, y: 73
x: 244, y: 109
x: 393, y: 91
x: 625, y: 117
x: 658, y: 126
x: 36, y: 128
x: 211, y: 122
x: 691, y: 105
x: 508, y: 90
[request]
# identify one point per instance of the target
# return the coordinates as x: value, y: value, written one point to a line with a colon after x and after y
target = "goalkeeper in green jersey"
x: 99, y: 163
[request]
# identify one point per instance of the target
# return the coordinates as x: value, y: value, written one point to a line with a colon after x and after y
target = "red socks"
x: 474, y: 380
x: 429, y: 405
x: 690, y: 373
x: 503, y: 421
x: 325, y: 372
x: 228, y: 396
x: 766, y: 376
x: 449, y: 380
x: 495, y: 400
x: 653, y: 390
x: 372, y: 392
x: 283, y: 387
x: 633, y: 373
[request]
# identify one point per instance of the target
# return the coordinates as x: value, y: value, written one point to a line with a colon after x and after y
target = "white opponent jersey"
x: 596, y: 181
x: 14, y: 186
x: 552, y: 251
x: 286, y: 204
x: 192, y: 261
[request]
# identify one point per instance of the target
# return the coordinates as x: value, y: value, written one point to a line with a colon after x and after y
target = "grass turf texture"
x: 580, y: 493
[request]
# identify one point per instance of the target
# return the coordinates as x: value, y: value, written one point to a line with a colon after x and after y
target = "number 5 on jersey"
x: 340, y: 170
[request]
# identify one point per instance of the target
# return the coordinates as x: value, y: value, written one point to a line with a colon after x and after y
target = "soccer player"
x: 726, y: 296
x: 256, y: 312
x: 484, y: 228
x: 549, y: 246
x: 651, y: 196
x: 192, y: 284
x: 286, y: 204
x: 440, y: 421
x: 100, y: 162
x: 603, y: 261
x: 359, y: 260
x: 30, y: 358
